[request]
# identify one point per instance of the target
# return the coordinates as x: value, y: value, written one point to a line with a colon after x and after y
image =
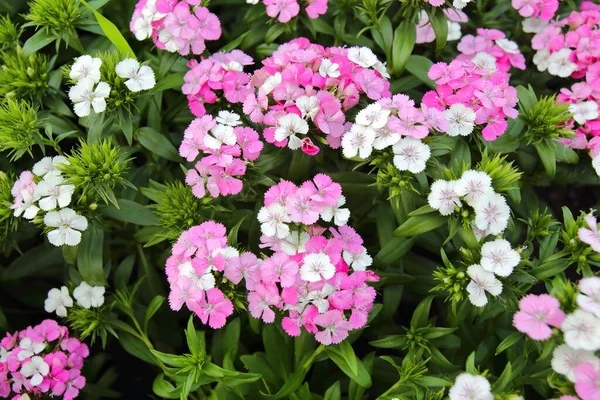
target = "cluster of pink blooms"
x: 176, y: 26
x: 285, y: 10
x: 220, y: 71
x: 472, y: 92
x: 542, y: 9
x: 23, y: 192
x: 575, y: 358
x: 306, y: 87
x: 225, y: 148
x: 41, y: 360
x: 490, y: 48
x: 316, y: 276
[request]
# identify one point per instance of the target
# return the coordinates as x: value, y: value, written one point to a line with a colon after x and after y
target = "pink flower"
x: 308, y: 147
x: 214, y: 309
x: 335, y: 327
x: 279, y: 268
x: 316, y: 8
x: 260, y: 301
x: 323, y: 190
x: 586, y: 384
x: 590, y: 236
x: 185, y: 291
x: 285, y: 10
x: 536, y: 313
x: 302, y: 209
x: 68, y: 384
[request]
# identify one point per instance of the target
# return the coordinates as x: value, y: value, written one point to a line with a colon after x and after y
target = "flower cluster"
x: 575, y: 358
x: 316, y: 276
x: 472, y: 93
x: 542, y: 9
x: 398, y: 123
x: 304, y: 87
x: 583, y: 105
x: 225, y: 146
x: 491, y: 50
x: 474, y: 188
x: 41, y: 361
x: 87, y: 296
x: 285, y: 10
x: 44, y: 189
x: 176, y: 26
x: 197, y: 260
x: 425, y: 33
x: 90, y: 93
x: 220, y: 71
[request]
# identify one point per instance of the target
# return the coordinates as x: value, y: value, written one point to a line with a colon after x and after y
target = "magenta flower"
x: 284, y: 10
x: 214, y: 309
x: 536, y: 314
x: 335, y: 327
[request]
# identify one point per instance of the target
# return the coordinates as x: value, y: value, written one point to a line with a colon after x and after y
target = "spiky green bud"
x: 19, y: 128
x: 545, y: 120
x: 59, y: 17
x: 505, y: 176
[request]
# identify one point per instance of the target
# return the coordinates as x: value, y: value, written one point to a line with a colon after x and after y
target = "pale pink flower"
x: 536, y: 314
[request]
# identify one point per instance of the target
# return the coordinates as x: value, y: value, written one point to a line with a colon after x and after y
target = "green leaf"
x: 420, y: 224
x: 274, y: 32
x: 195, y: 340
x: 32, y: 262
x: 232, y: 239
x: 41, y: 39
x: 418, y: 66
x: 421, y: 314
x: 435, y: 333
x: 123, y: 272
x: 89, y: 256
x: 509, y: 341
x: 170, y: 359
x: 164, y: 389
x: 439, y: 23
x: 133, y: 212
x: 343, y: 360
x: 390, y: 342
x: 527, y: 97
x: 470, y: 365
x: 546, y: 150
x: 405, y: 36
x: 153, y: 307
x: 112, y: 32
x: 394, y: 250
x: 234, y: 44
x: 334, y: 392
x: 504, y: 380
x: 157, y: 143
x: 171, y: 81
x: 136, y: 347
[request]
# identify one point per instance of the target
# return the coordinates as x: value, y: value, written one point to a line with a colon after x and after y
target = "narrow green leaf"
x: 234, y: 44
x: 421, y: 314
x: 419, y: 66
x: 439, y: 23
x: 39, y: 40
x: 546, y: 151
x: 508, y: 342
x: 89, y: 256
x: 420, y: 224
x: 405, y: 36
x: 112, y: 32
x: 130, y: 211
x: 157, y: 143
x: 153, y: 307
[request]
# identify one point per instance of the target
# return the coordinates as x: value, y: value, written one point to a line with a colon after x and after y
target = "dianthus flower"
x: 42, y: 361
x: 536, y: 314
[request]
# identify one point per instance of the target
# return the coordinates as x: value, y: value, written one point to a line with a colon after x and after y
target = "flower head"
x: 536, y: 314
x: 68, y: 226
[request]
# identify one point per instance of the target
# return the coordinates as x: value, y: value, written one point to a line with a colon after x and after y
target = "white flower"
x: 274, y: 220
x: 443, y: 197
x: 474, y: 186
x: 68, y: 226
x: 492, y: 213
x: 58, y: 300
x: 36, y: 369
x: 470, y: 387
x: 382, y: 69
x: 288, y: 126
x: 411, y: 155
x: 461, y: 120
x: 29, y: 348
x: 328, y: 68
x: 271, y: 83
x: 316, y: 267
x: 205, y: 281
x: 582, y: 331
x: 533, y: 25
x: 53, y: 192
x: 484, y: 61
x: 142, y: 27
x: 26, y: 206
x: 3, y: 355
x: 373, y: 116
x: 541, y: 58
x: 498, y: 257
x: 358, y: 261
x: 228, y: 118
x: 89, y: 296
x: 508, y: 46
x: 339, y: 215
x: 559, y: 63
x: 565, y: 359
x: 86, y: 68
x: 85, y: 97
x: 308, y: 106
x: 589, y: 298
x: 454, y: 32
x: 385, y: 137
x: 362, y: 56
x: 295, y: 243
x: 596, y: 164
x: 584, y: 111
x: 232, y: 66
x: 48, y: 165
x: 359, y: 140
x: 138, y: 77
x: 169, y: 40
x: 482, y: 281
x: 221, y: 135
x: 319, y: 297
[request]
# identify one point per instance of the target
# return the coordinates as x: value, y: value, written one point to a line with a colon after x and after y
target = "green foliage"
x: 8, y: 224
x: 545, y: 119
x: 19, y: 128
x: 9, y: 35
x: 57, y: 18
x: 24, y: 77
